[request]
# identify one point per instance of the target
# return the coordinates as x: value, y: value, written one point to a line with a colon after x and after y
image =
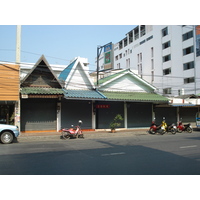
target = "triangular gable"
x: 76, y: 76
x: 65, y: 73
x: 41, y: 75
x: 126, y: 81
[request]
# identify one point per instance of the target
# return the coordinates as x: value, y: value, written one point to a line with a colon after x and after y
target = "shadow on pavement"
x: 110, y: 159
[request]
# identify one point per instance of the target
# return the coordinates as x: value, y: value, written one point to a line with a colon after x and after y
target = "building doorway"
x: 7, y: 114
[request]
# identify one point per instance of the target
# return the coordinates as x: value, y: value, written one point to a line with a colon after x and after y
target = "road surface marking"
x: 113, y: 154
x: 184, y: 147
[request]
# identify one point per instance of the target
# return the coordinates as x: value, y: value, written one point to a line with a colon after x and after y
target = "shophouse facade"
x: 9, y: 93
x: 49, y: 103
x: 41, y: 95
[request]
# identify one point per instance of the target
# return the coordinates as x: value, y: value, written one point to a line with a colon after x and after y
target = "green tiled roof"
x: 83, y: 94
x: 37, y: 90
x: 134, y: 96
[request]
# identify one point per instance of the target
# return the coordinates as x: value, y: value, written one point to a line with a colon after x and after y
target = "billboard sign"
x: 108, y: 47
x: 108, y: 56
x: 197, y: 28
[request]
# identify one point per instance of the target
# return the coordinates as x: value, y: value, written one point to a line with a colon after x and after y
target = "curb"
x: 87, y: 134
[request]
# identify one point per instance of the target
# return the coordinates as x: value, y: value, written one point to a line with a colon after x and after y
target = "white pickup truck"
x: 8, y: 133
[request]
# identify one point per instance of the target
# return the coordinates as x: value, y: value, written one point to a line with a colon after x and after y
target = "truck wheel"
x: 6, y: 137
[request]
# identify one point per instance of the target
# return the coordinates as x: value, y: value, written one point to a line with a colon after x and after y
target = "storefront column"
x: 93, y: 115
x: 177, y: 111
x: 17, y: 114
x: 125, y: 115
x: 58, y: 116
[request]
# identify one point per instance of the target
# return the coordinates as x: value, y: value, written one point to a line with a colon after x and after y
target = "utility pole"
x: 18, y: 44
x: 18, y: 51
x: 99, y: 50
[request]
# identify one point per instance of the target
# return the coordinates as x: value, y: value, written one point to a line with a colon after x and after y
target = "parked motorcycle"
x: 172, y: 128
x: 184, y: 127
x: 154, y: 128
x: 73, y: 133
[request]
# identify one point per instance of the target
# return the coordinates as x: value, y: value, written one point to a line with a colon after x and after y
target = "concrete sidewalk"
x: 45, y: 136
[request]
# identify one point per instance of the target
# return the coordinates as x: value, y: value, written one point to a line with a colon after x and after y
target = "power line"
x: 40, y: 55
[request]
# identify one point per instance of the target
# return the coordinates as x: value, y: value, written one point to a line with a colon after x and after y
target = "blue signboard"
x: 108, y: 47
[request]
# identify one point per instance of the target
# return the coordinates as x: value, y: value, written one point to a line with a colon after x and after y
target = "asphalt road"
x: 129, y: 155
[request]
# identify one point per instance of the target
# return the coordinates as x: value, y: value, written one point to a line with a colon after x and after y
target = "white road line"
x: 113, y: 154
x: 184, y: 147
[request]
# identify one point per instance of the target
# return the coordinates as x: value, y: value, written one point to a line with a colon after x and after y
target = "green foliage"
x: 116, y: 122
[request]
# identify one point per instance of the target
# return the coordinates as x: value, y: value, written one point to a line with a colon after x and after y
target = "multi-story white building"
x: 167, y: 56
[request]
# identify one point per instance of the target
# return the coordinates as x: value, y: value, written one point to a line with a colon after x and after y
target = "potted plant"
x: 116, y: 122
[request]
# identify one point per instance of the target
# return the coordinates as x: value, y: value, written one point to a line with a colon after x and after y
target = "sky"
x: 58, y: 43
x: 62, y: 30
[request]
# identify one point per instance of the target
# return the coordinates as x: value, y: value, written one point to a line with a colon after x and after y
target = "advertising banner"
x: 107, y: 57
x: 197, y: 28
x: 108, y: 47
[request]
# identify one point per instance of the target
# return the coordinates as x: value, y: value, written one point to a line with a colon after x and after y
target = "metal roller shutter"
x: 38, y: 114
x: 139, y: 114
x: 72, y: 111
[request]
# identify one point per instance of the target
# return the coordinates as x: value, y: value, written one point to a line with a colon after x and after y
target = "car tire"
x: 6, y: 137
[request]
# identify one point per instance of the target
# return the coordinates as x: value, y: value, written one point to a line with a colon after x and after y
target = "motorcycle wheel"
x: 189, y: 130
x: 179, y: 130
x: 173, y: 131
x: 162, y: 132
x: 151, y: 131
x: 65, y: 135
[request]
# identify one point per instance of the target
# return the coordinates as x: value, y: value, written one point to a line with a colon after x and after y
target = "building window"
x: 140, y: 70
x: 125, y: 42
x: 116, y: 57
x: 167, y: 91
x: 165, y: 31
x: 189, y: 80
x: 142, y: 42
x: 166, y: 45
x: 149, y: 38
x: 130, y: 37
x: 118, y: 66
x: 142, y: 30
x: 152, y: 52
x: 166, y: 58
x: 140, y: 57
x: 189, y: 65
x: 136, y: 33
x: 187, y: 35
x: 188, y: 50
x: 120, y: 45
x: 128, y: 63
x: 167, y: 71
x: 120, y: 55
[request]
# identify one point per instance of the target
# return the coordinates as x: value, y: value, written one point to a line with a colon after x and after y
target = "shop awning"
x: 134, y: 96
x: 40, y: 90
x: 83, y: 94
x: 37, y: 92
x: 178, y: 105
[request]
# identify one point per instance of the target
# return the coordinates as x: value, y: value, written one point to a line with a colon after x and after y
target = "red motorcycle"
x: 184, y: 127
x: 73, y: 133
x: 154, y: 128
